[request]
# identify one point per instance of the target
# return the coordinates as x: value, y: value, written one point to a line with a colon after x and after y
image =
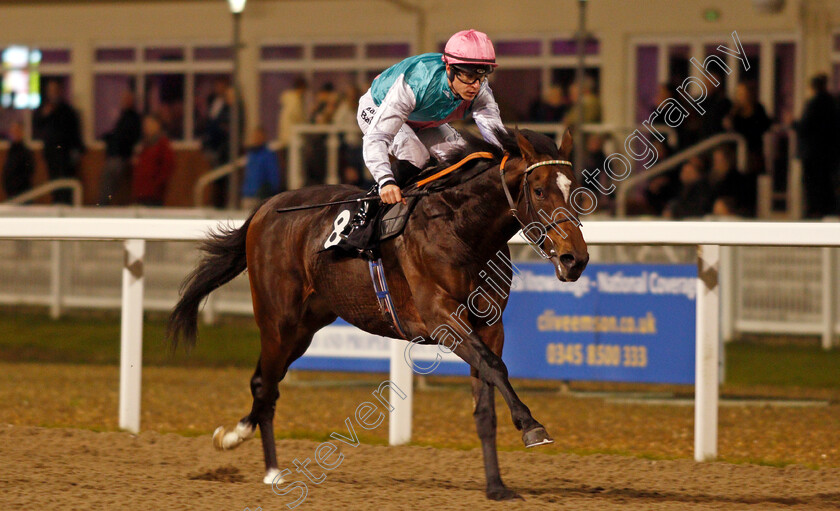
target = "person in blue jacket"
x: 406, y: 112
x: 262, y: 172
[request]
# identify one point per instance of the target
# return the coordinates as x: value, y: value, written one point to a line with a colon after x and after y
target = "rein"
x: 529, y: 208
x: 421, y: 193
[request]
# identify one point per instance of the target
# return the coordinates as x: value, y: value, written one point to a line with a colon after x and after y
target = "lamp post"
x: 236, y: 8
x: 580, y: 74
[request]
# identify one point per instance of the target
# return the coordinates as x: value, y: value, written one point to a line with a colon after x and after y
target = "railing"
x: 74, y: 185
x: 708, y: 236
x: 625, y: 187
x: 773, y: 290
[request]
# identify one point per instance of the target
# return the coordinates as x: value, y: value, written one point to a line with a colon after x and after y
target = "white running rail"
x: 708, y: 236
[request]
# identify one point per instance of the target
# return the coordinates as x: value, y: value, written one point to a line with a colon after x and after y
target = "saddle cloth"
x: 359, y: 228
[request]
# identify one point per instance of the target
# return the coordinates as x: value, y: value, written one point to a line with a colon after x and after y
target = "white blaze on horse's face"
x: 564, y: 184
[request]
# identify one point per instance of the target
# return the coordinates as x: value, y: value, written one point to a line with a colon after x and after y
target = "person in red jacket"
x: 154, y: 165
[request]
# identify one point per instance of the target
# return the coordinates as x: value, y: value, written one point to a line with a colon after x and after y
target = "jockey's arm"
x: 390, y: 117
x: 485, y: 113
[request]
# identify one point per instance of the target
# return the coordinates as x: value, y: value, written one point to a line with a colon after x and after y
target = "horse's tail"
x: 224, y: 259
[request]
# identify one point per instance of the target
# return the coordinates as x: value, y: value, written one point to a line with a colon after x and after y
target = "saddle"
x: 361, y: 227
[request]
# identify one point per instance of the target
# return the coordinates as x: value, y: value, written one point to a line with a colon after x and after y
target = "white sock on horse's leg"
x: 271, y: 474
x: 225, y: 440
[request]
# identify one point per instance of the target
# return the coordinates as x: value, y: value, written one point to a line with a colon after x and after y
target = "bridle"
x: 529, y: 208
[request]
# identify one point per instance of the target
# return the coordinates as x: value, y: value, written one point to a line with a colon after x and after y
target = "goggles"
x: 470, y: 75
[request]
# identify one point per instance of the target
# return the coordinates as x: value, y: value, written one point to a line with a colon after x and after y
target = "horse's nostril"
x: 568, y: 260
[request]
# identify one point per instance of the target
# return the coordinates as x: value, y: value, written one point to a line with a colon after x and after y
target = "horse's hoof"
x: 503, y: 493
x: 271, y: 477
x: 536, y: 436
x: 218, y: 435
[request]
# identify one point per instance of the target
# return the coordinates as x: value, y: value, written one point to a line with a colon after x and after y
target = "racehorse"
x: 433, y: 267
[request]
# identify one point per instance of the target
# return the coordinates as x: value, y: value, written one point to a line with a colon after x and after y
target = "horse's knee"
x: 264, y: 393
x: 256, y: 385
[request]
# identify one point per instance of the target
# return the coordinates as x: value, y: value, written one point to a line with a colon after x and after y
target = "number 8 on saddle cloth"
x: 359, y: 228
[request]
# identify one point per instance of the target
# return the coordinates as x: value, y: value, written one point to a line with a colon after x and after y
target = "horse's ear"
x: 565, y: 147
x: 525, y: 147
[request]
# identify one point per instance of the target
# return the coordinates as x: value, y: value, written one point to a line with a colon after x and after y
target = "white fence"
x: 708, y: 236
x: 779, y: 290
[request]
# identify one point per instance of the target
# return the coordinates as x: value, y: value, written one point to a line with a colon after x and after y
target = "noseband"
x: 529, y: 208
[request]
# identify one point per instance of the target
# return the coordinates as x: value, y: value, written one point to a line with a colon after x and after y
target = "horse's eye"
x: 539, y: 193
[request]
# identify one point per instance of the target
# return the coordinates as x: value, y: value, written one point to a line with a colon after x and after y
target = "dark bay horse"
x: 431, y: 269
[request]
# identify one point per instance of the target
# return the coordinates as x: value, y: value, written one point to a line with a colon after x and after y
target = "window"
x: 712, y: 49
x: 784, y: 80
x: 647, y: 82
x: 344, y: 65
x: 172, y: 81
x: 535, y: 72
x: 108, y: 90
x: 55, y: 66
x: 164, y: 96
x: 666, y: 61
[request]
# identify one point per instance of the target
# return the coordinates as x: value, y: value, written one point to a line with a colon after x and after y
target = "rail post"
x: 399, y: 422
x: 56, y: 280
x: 208, y: 313
x: 728, y: 302
x: 131, y: 335
x: 829, y: 297
x: 707, y: 357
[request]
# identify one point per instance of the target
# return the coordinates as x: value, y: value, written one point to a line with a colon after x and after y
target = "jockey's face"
x: 465, y: 86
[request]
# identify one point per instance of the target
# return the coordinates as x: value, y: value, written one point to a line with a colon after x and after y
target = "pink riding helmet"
x: 470, y: 47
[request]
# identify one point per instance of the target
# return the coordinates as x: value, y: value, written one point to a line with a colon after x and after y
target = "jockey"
x: 408, y: 107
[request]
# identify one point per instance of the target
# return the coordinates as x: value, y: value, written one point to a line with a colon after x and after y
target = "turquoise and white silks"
x: 407, y: 110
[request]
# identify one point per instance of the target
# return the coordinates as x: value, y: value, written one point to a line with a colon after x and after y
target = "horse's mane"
x: 474, y: 143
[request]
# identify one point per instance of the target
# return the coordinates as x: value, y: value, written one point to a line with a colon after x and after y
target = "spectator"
x: 552, y: 107
x: 57, y: 124
x: 594, y: 158
x: 262, y: 173
x: 664, y: 187
x: 20, y: 164
x: 215, y: 138
x: 350, y: 151
x: 695, y: 197
x: 689, y: 131
x: 725, y: 206
x: 717, y: 107
x: 590, y: 100
x: 728, y: 183
x: 119, y: 147
x: 818, y: 134
x: 154, y: 166
x: 315, y: 151
x: 326, y: 102
x: 291, y: 112
x: 749, y: 118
